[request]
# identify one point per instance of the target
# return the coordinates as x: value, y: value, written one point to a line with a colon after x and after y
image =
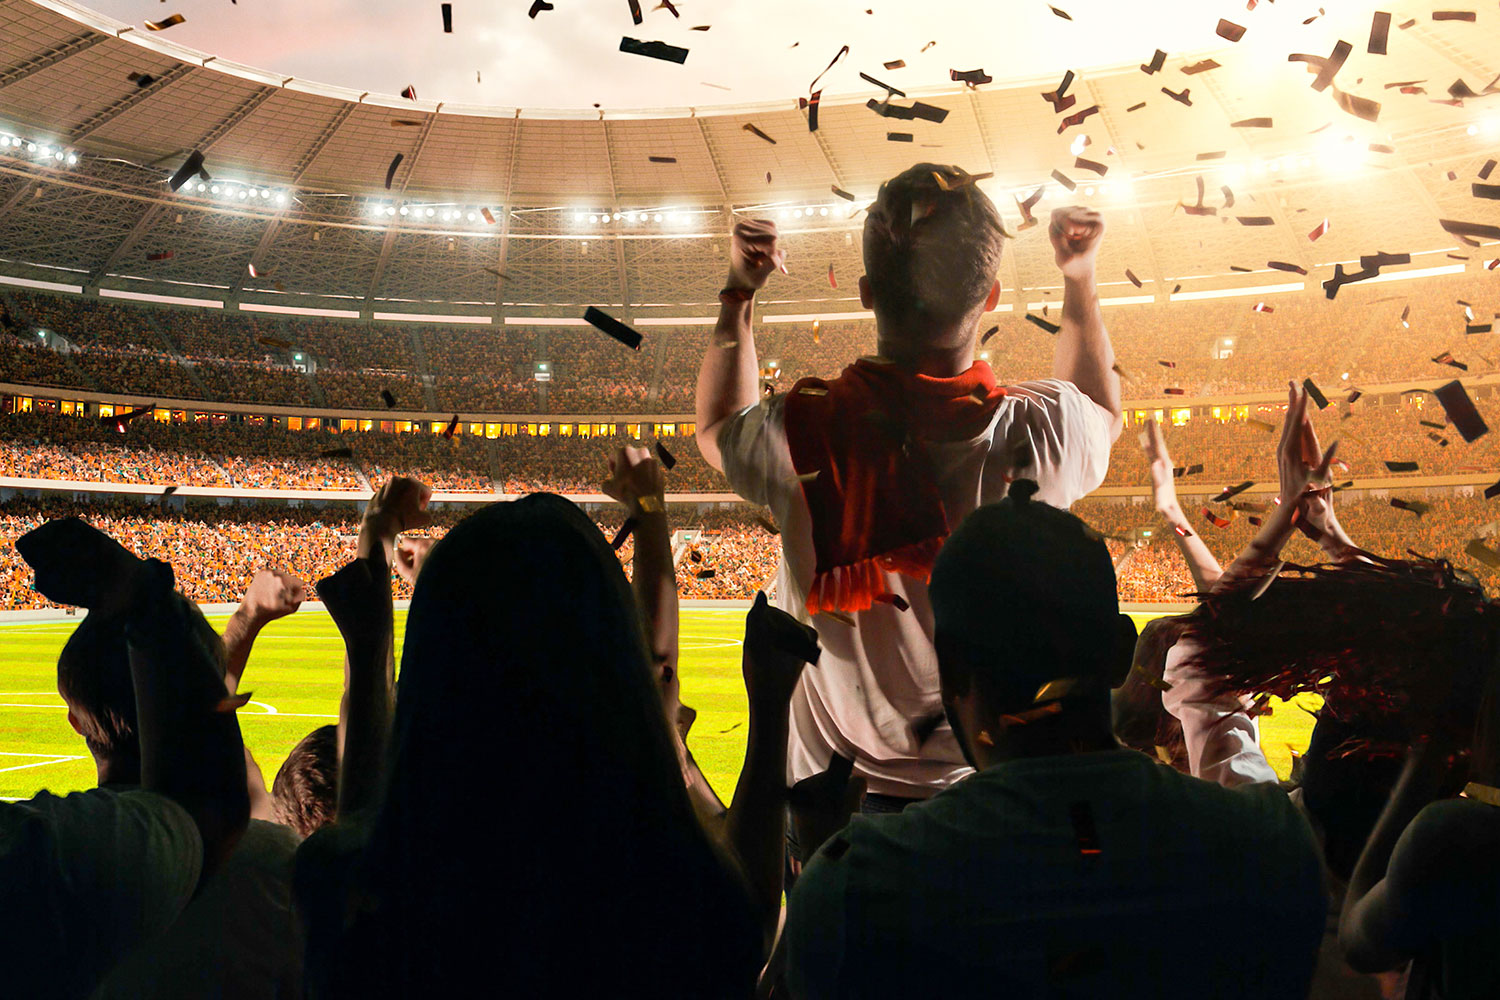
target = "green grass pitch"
x: 296, y: 675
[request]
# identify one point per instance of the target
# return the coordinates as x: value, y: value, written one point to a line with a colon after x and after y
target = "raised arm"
x: 729, y: 378
x: 777, y: 647
x: 190, y: 741
x: 272, y: 594
x: 1200, y: 562
x: 1083, y: 354
x: 359, y: 599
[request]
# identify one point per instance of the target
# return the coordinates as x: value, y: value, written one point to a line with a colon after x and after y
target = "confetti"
x: 900, y: 137
x: 1063, y: 179
x: 1214, y: 519
x: 1038, y: 321
x: 1199, y: 67
x: 1233, y: 491
x: 1066, y: 16
x: 488, y: 216
x: 765, y: 522
x: 1380, y: 147
x: 165, y: 23
x: 1453, y: 15
x: 661, y: 159
x: 757, y: 132
x: 895, y: 64
x: 1059, y: 98
x: 190, y: 167
x: 1158, y: 59
x: 405, y: 123
x: 1081, y: 164
x: 613, y: 327
x: 1251, y: 123
x: 1281, y: 265
x: 161, y: 255
x: 1167, y: 364
x: 988, y: 334
x: 891, y: 91
x: 972, y: 77
x: 1228, y: 29
x: 1380, y: 29
x: 390, y: 171
x: 1461, y: 411
x: 895, y: 600
x: 1175, y: 392
x: 1446, y: 358
x: 1133, y: 279
x: 1181, y: 98
x: 668, y: 460
x: 388, y: 397
x: 448, y: 17
x: 1479, y: 327
x: 654, y: 50
x: 1320, y: 231
x: 410, y: 93
x: 1490, y: 191
x: 635, y: 11
x: 1417, y: 507
x: 452, y: 428
x: 536, y: 8
x: 831, y: 282
x: 1314, y: 393
x: 842, y: 52
x: 1328, y: 67
x: 141, y: 80
x: 811, y: 104
x: 1261, y: 307
x: 1476, y: 549
x: 1136, y: 107
x: 1401, y: 466
x: 930, y: 45
x: 622, y: 534
x: 1077, y: 118
x: 1359, y: 107
x: 1027, y: 219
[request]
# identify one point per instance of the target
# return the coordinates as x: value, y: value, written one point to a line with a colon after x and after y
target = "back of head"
x: 306, y: 790
x: 531, y: 765
x: 1023, y: 594
x: 93, y: 677
x: 931, y: 252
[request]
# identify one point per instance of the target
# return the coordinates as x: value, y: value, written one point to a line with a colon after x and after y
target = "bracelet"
x: 734, y: 296
x: 650, y: 505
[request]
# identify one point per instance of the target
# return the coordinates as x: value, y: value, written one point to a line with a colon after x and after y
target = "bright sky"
x: 569, y: 57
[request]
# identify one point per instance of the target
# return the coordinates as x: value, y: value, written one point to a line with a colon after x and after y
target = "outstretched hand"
x: 754, y: 252
x: 777, y: 647
x: 76, y: 563
x: 1303, y: 466
x: 1076, y: 233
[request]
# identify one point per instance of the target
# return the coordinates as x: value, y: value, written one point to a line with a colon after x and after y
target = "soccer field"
x: 296, y: 676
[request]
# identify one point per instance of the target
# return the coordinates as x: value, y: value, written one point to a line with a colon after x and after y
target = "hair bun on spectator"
x: 1023, y: 490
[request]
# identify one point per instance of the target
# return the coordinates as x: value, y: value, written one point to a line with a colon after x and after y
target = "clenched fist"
x: 754, y: 252
x: 1076, y: 234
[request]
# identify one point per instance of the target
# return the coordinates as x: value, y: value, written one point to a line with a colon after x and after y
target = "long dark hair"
x: 536, y: 834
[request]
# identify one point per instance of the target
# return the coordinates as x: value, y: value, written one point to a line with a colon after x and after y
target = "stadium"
x: 235, y: 302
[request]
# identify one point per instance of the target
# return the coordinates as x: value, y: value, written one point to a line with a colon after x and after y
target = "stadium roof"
x: 301, y: 172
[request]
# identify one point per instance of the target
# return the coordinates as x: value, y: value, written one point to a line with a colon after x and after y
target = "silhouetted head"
x: 305, y: 793
x: 1023, y: 594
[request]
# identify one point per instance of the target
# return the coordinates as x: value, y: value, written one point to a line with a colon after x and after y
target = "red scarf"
x: 874, y: 499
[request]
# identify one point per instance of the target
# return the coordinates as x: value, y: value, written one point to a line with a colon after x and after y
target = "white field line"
x: 269, y: 709
x: 40, y: 763
x: 20, y: 753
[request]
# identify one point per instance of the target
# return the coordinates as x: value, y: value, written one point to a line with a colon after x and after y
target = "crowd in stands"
x: 1214, y: 347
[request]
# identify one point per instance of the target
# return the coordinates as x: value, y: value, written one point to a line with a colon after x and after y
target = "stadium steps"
x: 543, y: 353
x: 492, y: 463
x: 176, y: 352
x: 653, y: 388
x: 424, y: 375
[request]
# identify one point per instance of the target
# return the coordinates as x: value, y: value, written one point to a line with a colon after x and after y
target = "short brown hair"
x: 306, y: 790
x: 931, y: 249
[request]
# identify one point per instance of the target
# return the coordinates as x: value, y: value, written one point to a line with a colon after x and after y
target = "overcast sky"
x: 569, y: 57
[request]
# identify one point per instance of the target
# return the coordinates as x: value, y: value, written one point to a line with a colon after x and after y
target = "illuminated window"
x: 542, y: 430
x: 386, y: 426
x: 493, y: 430
x: 402, y: 426
x: 688, y: 429
x: 1180, y: 417
x: 666, y: 430
x: 160, y: 415
x: 46, y: 405
x: 634, y: 430
x: 105, y: 409
x: 179, y: 416
x: 564, y: 430
x: 23, y: 404
x: 313, y: 423
x: 70, y: 407
x: 476, y: 429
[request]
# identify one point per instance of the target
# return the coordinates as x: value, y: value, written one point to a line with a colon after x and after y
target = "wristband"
x: 733, y: 296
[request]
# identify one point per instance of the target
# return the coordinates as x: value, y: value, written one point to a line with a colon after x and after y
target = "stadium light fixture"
x: 431, y: 212
x: 1088, y: 192
x: 281, y: 197
x: 593, y: 219
x: 405, y: 210
x: 656, y: 217
x: 1472, y: 130
x: 470, y: 216
x: 390, y: 210
x: 214, y: 190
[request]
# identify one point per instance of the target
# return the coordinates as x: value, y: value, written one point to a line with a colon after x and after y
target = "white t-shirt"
x: 86, y: 878
x: 985, y: 890
x: 237, y: 938
x: 874, y: 692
